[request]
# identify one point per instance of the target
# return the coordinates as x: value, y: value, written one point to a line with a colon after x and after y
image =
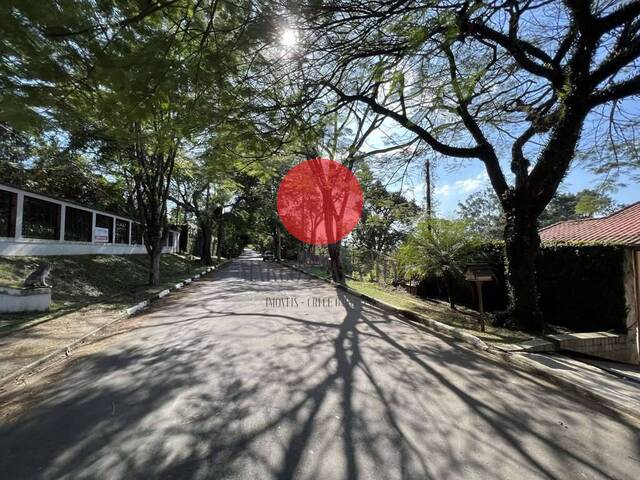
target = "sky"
x: 454, y: 186
x: 455, y: 179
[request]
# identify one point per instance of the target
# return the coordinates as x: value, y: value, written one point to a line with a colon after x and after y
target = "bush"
x: 581, y: 286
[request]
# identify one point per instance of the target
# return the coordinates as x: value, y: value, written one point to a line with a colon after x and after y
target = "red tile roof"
x: 621, y: 227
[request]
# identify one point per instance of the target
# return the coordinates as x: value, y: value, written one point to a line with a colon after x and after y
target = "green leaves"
x: 438, y: 246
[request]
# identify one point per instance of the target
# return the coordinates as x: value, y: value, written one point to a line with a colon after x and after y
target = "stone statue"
x: 38, y: 277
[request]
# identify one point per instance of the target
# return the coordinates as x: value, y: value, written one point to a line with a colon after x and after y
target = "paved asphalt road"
x: 225, y: 381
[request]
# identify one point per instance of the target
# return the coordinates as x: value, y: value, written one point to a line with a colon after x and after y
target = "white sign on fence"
x: 101, y: 235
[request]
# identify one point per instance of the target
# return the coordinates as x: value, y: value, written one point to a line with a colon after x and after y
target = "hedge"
x: 581, y: 286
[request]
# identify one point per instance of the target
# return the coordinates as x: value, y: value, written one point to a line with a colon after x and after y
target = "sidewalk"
x: 612, y: 391
x: 22, y: 350
x: 609, y: 389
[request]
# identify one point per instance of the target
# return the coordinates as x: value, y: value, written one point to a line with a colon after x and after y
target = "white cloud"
x: 443, y: 190
x: 471, y: 184
x: 418, y: 191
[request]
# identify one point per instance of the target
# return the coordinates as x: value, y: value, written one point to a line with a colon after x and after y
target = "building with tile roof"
x: 619, y: 228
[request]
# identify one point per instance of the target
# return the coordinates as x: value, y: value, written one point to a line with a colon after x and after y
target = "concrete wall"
x: 599, y: 344
x: 24, y: 299
x: 19, y: 246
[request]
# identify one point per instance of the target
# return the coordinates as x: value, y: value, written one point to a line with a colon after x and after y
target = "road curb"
x: 518, y: 360
x: 522, y: 362
x: 408, y: 314
x: 124, y: 314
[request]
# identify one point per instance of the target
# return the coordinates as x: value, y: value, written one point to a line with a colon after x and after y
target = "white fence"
x: 34, y: 224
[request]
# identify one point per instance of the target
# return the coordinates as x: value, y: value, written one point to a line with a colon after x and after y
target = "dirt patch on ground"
x: 30, y: 389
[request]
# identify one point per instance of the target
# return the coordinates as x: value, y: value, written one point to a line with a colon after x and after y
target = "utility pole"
x: 427, y: 180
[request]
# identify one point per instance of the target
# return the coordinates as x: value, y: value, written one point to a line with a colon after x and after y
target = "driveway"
x: 263, y: 373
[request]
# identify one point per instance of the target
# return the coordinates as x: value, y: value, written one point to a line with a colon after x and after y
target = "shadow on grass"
x: 440, y: 311
x: 109, y: 281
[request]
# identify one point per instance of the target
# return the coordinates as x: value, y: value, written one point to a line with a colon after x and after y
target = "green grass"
x: 317, y: 270
x: 463, y: 318
x: 440, y: 311
x: 110, y: 280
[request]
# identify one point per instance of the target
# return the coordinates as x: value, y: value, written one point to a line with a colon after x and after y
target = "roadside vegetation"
x: 191, y: 113
x: 432, y: 308
x: 106, y: 281
x: 439, y: 310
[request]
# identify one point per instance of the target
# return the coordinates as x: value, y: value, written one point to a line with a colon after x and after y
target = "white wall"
x: 19, y: 246
x: 23, y: 248
x: 24, y: 299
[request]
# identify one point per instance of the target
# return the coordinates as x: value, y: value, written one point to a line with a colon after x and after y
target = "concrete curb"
x: 408, y: 314
x: 521, y: 361
x: 518, y: 360
x: 126, y: 313
x: 145, y: 303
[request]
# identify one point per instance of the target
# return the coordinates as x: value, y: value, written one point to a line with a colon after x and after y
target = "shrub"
x: 581, y: 286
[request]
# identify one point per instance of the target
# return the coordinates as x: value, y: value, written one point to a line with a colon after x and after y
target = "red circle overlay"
x: 319, y: 201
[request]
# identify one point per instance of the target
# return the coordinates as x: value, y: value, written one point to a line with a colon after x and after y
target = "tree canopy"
x: 201, y: 102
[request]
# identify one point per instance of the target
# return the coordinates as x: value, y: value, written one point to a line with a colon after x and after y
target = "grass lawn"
x: 438, y: 310
x: 112, y: 281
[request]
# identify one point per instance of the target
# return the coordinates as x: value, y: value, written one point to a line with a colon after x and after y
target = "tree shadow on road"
x: 228, y: 391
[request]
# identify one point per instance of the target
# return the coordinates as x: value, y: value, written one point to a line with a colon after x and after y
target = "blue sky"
x: 453, y: 186
x: 456, y: 179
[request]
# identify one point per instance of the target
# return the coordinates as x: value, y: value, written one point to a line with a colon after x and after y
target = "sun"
x: 289, y: 37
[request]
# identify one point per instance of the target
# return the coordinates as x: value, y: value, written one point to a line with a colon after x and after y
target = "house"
x: 620, y: 228
x: 35, y: 224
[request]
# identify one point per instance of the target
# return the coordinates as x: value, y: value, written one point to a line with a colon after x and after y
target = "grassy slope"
x: 463, y: 318
x: 112, y: 280
x: 434, y: 309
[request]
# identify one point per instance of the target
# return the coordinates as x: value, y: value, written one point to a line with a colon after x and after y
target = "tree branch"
x: 519, y: 49
x: 438, y: 146
x: 616, y: 91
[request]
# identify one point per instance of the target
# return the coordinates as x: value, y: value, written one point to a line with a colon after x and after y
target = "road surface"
x: 262, y: 373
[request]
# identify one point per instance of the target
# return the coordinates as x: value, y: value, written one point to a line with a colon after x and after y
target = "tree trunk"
x: 427, y: 180
x: 205, y: 254
x: 277, y: 247
x: 154, y: 270
x: 337, y: 275
x: 521, y: 249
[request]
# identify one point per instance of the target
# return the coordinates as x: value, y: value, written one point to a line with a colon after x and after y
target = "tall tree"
x: 386, y: 218
x: 202, y: 196
x: 592, y: 203
x: 141, y: 79
x: 481, y: 210
x: 15, y: 150
x: 343, y: 135
x: 468, y: 77
x: 483, y: 213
